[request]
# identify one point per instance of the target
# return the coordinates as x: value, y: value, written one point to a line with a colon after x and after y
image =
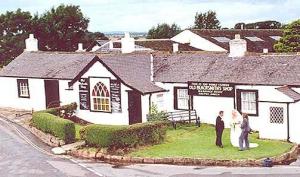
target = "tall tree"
x: 207, y: 20
x: 269, y: 24
x: 61, y: 28
x: 290, y: 41
x: 163, y: 31
x: 14, y: 29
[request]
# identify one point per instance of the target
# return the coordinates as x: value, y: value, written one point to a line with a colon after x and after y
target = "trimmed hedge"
x: 59, y: 127
x: 65, y: 111
x: 115, y: 137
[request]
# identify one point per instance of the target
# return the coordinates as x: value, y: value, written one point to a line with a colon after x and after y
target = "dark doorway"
x: 52, y: 93
x: 134, y: 107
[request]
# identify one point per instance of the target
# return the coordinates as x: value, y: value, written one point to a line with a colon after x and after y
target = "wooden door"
x: 52, y: 93
x: 134, y: 107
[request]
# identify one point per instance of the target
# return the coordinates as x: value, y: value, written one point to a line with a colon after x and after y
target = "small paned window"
x: 276, y: 115
x: 23, y: 88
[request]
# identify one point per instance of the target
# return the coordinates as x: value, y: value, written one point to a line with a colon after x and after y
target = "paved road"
x: 18, y: 158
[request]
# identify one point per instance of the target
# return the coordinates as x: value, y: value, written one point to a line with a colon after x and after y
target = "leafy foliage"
x: 48, y: 123
x: 156, y: 115
x: 14, y: 29
x: 116, y: 137
x: 58, y: 29
x: 290, y: 41
x: 269, y: 24
x: 163, y: 31
x: 61, y: 28
x: 207, y: 20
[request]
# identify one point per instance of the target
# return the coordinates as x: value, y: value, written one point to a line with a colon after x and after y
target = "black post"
x: 288, y: 122
x: 189, y: 108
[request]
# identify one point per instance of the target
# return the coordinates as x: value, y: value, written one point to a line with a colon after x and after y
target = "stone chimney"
x: 31, y: 44
x: 80, y: 48
x: 127, y: 44
x: 237, y: 47
x: 175, y: 47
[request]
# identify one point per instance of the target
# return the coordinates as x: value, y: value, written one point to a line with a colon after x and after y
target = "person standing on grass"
x: 219, y: 129
x: 245, y: 132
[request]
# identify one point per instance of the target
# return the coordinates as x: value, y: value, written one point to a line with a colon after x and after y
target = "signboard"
x: 84, y: 94
x: 211, y: 89
x: 115, y: 91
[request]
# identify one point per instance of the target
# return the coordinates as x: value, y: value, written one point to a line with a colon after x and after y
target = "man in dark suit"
x: 245, y: 132
x: 219, y: 129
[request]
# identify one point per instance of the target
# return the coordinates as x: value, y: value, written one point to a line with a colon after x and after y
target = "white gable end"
x: 197, y: 41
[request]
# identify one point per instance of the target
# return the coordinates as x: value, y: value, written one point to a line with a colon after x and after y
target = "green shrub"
x: 115, y: 137
x: 156, y: 115
x: 59, y: 127
x: 65, y: 111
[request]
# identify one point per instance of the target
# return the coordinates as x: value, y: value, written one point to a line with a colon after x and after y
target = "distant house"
x: 166, y: 45
x: 218, y: 40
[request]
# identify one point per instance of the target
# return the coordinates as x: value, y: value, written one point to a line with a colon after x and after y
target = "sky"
x: 141, y: 15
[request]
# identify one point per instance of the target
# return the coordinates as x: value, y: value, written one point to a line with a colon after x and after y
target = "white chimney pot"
x: 31, y: 44
x: 237, y: 47
x: 265, y: 50
x: 80, y: 48
x: 127, y: 44
x: 175, y: 47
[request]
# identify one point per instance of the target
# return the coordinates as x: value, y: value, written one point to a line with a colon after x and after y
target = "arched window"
x: 101, y: 98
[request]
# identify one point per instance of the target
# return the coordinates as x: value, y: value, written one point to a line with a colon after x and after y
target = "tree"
x: 61, y: 28
x: 163, y: 31
x: 270, y: 24
x: 290, y: 41
x: 90, y: 37
x: 207, y: 20
x: 14, y: 29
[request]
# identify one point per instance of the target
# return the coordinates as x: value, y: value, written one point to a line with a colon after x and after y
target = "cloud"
x: 138, y: 15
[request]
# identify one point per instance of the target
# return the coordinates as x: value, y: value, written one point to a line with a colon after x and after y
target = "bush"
x: 65, y: 111
x: 156, y: 115
x: 116, y: 137
x: 59, y: 127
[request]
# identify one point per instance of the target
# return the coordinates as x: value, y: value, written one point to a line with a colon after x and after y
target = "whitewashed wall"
x: 145, y: 107
x: 295, y: 122
x: 196, y: 41
x: 9, y: 94
x: 97, y: 70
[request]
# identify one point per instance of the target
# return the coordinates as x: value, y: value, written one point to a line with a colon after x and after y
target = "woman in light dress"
x: 236, y: 130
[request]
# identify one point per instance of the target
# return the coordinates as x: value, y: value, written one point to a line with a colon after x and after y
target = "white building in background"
x: 217, y: 40
x: 120, y: 88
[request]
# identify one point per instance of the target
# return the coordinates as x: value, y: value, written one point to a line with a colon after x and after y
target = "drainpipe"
x: 150, y: 95
x: 288, y: 122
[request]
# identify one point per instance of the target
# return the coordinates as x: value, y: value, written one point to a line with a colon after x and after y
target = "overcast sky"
x: 140, y: 15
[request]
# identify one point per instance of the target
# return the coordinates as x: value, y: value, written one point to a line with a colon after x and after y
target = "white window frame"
x: 100, y: 103
x: 182, y: 99
x: 249, y: 102
x: 23, y: 88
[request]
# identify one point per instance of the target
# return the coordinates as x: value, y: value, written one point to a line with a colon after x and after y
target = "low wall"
x: 283, y: 159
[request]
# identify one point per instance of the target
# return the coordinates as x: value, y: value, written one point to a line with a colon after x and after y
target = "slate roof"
x: 289, y: 92
x: 254, y: 69
x: 133, y: 69
x: 252, y: 46
x: 52, y: 65
x: 164, y: 45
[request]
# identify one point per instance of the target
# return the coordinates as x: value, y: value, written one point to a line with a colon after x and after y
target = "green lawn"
x: 191, y: 141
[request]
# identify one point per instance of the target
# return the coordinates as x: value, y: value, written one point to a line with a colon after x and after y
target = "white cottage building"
x: 109, y: 89
x: 120, y: 88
